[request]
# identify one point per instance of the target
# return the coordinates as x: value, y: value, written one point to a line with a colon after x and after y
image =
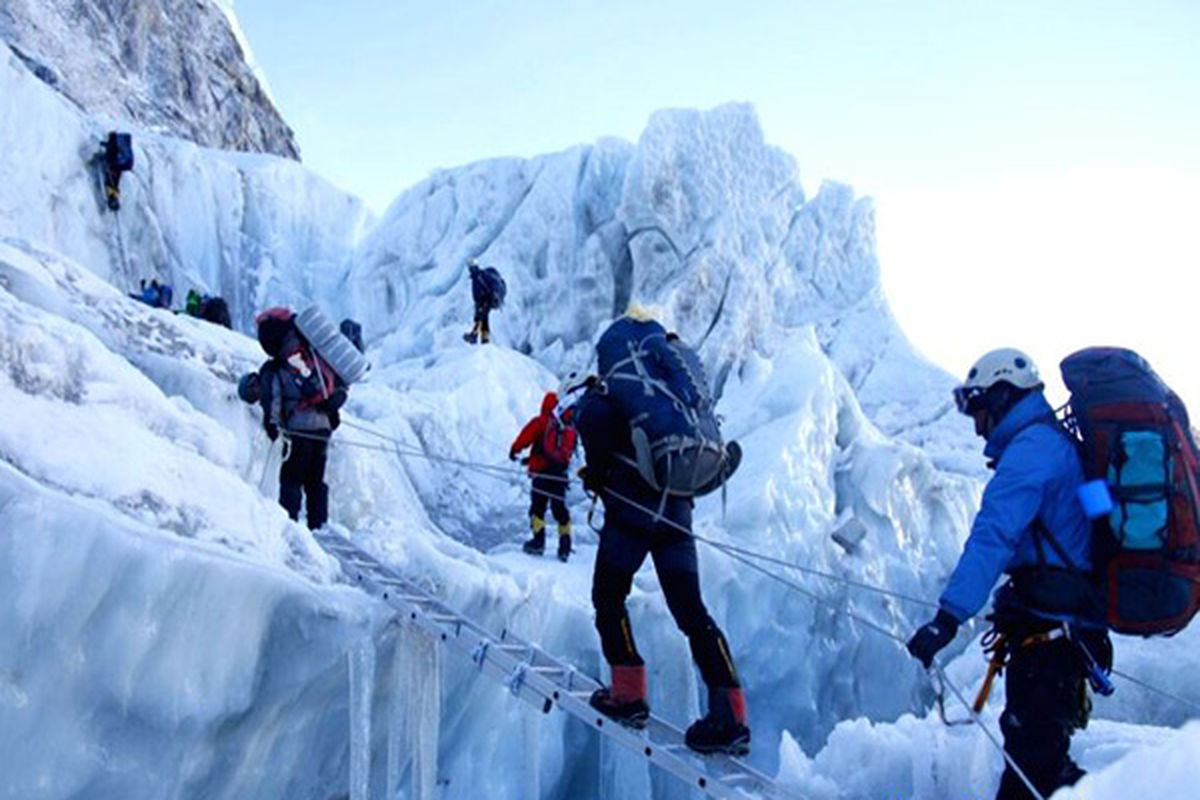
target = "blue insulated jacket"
x: 1037, y: 474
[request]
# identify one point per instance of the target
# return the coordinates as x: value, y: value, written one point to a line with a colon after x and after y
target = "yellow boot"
x: 537, y: 544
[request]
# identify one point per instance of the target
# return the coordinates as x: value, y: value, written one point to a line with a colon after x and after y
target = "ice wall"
x: 701, y: 218
x: 203, y: 617
x: 255, y: 229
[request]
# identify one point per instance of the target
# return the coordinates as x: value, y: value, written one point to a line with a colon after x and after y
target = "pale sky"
x: 1034, y: 165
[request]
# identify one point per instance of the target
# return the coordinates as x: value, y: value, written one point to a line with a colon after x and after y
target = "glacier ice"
x: 165, y: 631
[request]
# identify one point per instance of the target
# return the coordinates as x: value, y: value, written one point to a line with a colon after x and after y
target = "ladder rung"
x: 660, y: 742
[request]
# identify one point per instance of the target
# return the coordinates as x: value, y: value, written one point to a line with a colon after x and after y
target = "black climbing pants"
x: 550, y: 489
x: 481, y: 320
x: 618, y: 559
x: 303, y: 472
x: 1047, y: 700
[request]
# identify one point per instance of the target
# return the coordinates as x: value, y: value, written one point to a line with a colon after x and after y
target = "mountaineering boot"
x: 564, y: 542
x: 472, y: 336
x: 723, y: 729
x: 111, y: 194
x: 537, y: 544
x: 625, y: 700
x: 485, y: 337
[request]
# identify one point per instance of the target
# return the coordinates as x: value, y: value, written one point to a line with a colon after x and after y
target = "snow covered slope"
x: 176, y: 66
x: 165, y: 631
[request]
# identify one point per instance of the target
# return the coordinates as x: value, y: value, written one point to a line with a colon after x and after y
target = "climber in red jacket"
x: 551, y: 440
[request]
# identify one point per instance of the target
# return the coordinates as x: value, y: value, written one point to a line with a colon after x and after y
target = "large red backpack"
x: 1136, y: 437
x: 558, y: 441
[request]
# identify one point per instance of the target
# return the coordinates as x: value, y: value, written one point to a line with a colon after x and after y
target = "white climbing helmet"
x: 1007, y: 364
x: 572, y: 382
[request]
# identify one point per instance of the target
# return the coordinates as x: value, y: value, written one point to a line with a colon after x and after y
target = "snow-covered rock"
x: 258, y: 230
x: 175, y: 66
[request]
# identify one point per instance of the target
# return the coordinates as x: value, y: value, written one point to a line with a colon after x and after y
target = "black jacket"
x: 605, y: 435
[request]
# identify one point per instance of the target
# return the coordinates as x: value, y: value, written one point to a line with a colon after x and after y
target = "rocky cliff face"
x: 177, y: 66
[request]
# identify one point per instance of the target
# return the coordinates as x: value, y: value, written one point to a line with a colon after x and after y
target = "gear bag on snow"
x: 333, y: 346
x: 1135, y: 436
x: 558, y: 441
x: 216, y: 311
x: 497, y: 288
x: 660, y: 387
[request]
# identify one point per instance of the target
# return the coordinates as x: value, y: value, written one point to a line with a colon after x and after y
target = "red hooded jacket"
x: 533, y: 434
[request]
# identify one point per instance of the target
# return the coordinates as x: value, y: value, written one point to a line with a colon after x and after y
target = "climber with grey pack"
x: 652, y: 444
x: 659, y: 384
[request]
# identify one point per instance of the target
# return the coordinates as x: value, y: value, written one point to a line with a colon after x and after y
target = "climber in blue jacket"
x: 1031, y: 527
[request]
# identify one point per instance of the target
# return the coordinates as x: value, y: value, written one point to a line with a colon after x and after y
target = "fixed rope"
x: 748, y: 558
x: 793, y: 586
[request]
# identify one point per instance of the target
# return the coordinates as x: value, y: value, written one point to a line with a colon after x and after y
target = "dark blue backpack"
x: 118, y: 151
x: 497, y: 289
x: 660, y: 387
x: 352, y: 331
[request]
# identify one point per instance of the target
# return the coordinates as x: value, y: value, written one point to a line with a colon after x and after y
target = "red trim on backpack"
x: 275, y: 312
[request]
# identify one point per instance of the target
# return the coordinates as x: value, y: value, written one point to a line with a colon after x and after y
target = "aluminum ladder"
x: 544, y: 682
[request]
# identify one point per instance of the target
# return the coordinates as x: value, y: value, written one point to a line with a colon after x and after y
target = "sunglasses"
x: 969, y: 399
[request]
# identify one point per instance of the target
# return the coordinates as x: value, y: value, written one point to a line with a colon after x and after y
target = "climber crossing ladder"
x: 544, y: 682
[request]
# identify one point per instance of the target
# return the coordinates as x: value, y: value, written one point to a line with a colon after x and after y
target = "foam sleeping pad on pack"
x: 329, y: 342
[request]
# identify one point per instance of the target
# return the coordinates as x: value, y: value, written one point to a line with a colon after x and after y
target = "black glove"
x: 336, y: 400
x: 592, y: 482
x: 933, y: 636
x: 272, y: 430
x: 512, y: 455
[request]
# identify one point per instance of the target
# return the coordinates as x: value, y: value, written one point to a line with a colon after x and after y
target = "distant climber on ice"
x: 155, y: 294
x: 488, y: 291
x: 114, y: 158
x: 551, y: 442
x: 652, y: 444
